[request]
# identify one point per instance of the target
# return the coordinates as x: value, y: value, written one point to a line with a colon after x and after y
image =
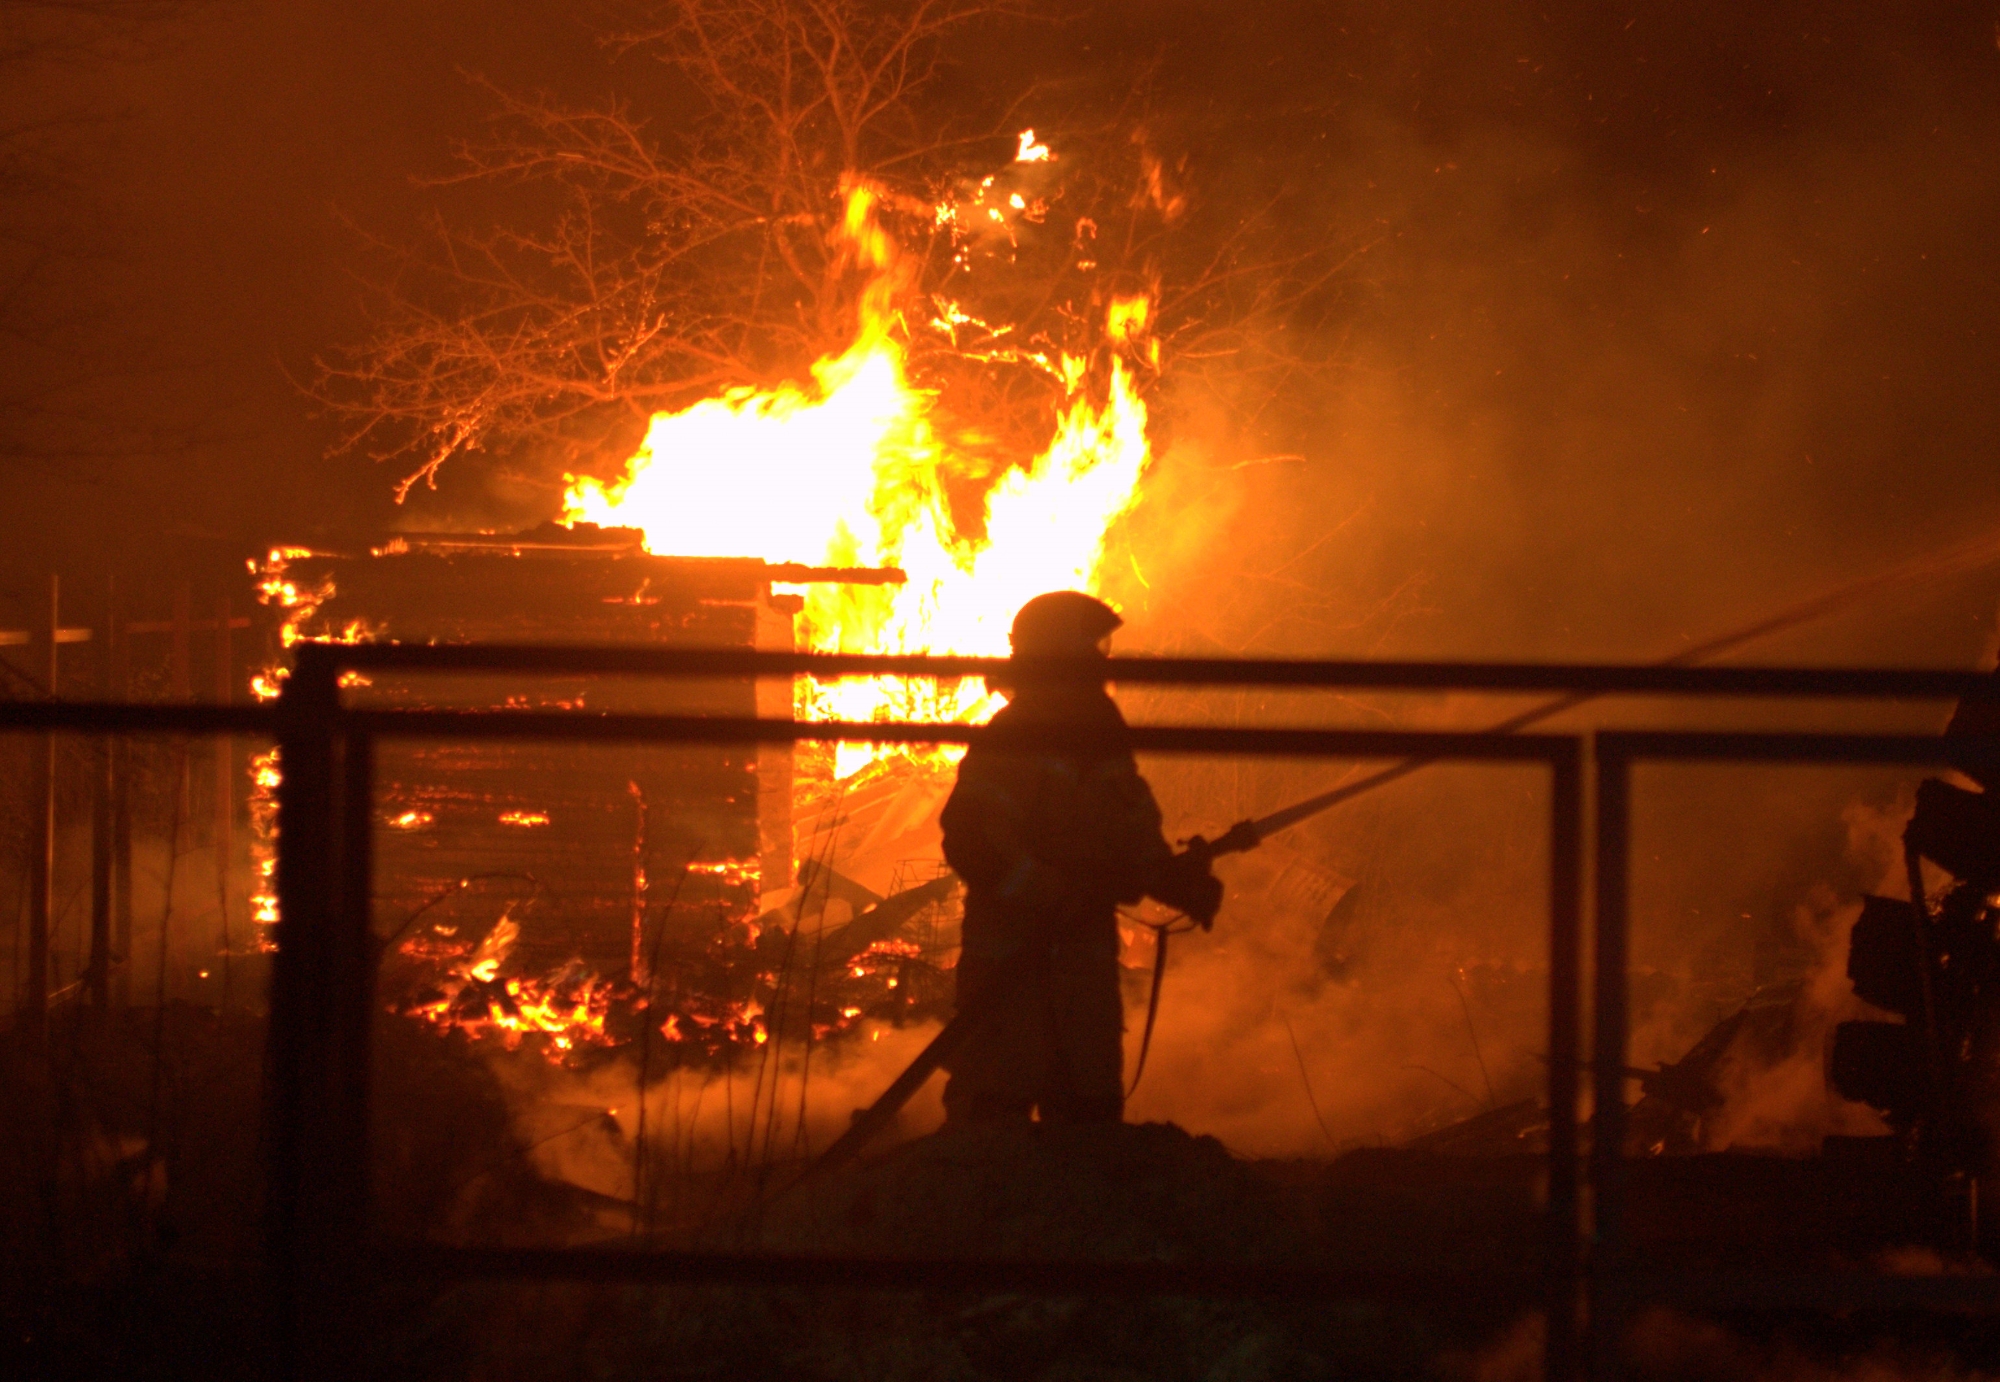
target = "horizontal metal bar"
x: 102, y: 717
x: 1056, y: 1277
x: 571, y: 725
x: 1760, y: 747
x: 112, y: 718
x: 90, y: 717
x: 15, y: 638
x: 1410, y: 676
x: 187, y: 626
x: 1760, y: 1290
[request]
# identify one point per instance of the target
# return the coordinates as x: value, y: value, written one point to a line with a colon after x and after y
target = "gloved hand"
x: 1187, y: 885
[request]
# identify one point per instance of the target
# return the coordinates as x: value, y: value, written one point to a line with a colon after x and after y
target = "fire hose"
x: 1247, y: 835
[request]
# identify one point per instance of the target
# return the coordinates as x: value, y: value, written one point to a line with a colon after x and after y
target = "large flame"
x: 852, y: 470
x: 849, y: 469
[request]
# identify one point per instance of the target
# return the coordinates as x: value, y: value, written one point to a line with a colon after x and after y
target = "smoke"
x: 1407, y: 993
x: 1374, y: 979
x: 761, y: 1116
x: 1635, y: 343
x: 1781, y: 1100
x: 1628, y: 346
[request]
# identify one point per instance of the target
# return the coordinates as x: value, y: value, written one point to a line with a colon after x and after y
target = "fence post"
x: 1608, y: 1055
x: 118, y: 655
x: 321, y: 978
x: 42, y: 847
x: 102, y: 788
x: 225, y: 795
x: 1563, y: 1356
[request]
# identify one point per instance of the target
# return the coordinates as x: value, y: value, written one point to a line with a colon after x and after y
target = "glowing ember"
x: 736, y: 873
x: 409, y: 820
x: 565, y: 1010
x: 263, y: 810
x: 296, y: 605
x: 892, y: 950
x: 526, y: 820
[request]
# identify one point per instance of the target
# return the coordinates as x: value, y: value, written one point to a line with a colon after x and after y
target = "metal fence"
x: 323, y: 1262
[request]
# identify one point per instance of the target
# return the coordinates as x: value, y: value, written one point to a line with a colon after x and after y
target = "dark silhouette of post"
x: 225, y: 780
x: 316, y: 1141
x: 118, y: 657
x: 181, y: 689
x: 42, y: 846
x: 103, y: 959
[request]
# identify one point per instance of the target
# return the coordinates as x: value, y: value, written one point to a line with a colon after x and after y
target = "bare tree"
x: 695, y: 243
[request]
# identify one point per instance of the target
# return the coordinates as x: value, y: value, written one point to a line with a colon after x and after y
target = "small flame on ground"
x: 565, y: 1010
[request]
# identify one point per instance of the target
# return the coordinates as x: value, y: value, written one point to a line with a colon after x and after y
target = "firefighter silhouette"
x: 1049, y: 840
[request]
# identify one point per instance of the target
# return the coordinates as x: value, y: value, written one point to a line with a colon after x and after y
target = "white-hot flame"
x: 851, y: 471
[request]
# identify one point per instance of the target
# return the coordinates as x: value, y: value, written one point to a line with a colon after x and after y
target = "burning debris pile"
x: 571, y: 902
x: 566, y: 1009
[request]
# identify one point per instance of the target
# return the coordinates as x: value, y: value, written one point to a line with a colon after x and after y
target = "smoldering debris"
x: 700, y: 1140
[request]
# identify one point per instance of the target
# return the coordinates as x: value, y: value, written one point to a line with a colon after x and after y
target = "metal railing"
x: 321, y: 1258
x: 1616, y: 1281
x: 320, y: 981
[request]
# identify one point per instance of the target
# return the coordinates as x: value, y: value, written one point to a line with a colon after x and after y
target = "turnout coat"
x: 1049, y: 841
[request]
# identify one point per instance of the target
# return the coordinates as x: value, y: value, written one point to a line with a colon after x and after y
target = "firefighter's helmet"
x: 1063, y: 623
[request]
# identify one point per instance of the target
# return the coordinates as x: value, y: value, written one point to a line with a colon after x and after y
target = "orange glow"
x: 566, y: 1009
x: 262, y: 804
x: 1129, y: 324
x: 892, y: 950
x: 526, y: 820
x: 853, y: 469
x: 296, y: 605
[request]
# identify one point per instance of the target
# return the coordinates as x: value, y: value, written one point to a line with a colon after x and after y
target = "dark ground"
x: 131, y: 1242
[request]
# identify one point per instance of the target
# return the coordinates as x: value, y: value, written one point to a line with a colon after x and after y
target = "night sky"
x: 1658, y: 317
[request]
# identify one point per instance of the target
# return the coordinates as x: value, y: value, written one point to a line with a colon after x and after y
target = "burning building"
x: 918, y: 541
x: 529, y: 891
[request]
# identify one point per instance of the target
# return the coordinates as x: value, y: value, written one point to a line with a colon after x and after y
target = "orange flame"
x: 565, y: 1010
x: 851, y: 469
